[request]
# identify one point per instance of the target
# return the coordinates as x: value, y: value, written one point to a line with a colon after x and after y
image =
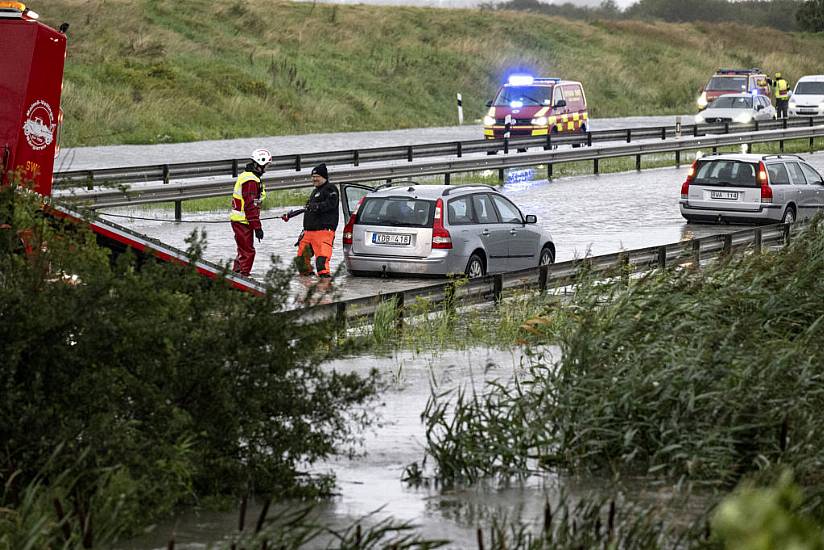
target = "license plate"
x: 728, y: 195
x: 391, y: 238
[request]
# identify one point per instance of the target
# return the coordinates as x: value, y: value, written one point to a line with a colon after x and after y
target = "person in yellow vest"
x: 782, y: 95
x: 245, y: 216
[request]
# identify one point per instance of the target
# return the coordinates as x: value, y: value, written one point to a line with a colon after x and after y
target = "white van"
x: 808, y: 96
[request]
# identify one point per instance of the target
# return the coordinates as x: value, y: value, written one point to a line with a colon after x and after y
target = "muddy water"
x: 371, y: 483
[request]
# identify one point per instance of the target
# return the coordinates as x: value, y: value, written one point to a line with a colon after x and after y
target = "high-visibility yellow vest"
x: 239, y: 214
x: 782, y: 88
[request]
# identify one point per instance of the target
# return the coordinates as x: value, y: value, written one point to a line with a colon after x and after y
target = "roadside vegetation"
x: 152, y: 386
x: 156, y: 71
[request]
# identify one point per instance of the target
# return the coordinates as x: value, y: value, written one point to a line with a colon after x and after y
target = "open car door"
x: 352, y: 194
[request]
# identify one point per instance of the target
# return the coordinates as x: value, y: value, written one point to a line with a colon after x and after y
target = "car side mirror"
x: 489, y: 103
x: 759, y: 107
x: 560, y: 103
x: 531, y: 218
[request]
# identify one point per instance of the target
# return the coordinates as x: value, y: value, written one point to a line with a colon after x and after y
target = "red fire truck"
x: 32, y: 56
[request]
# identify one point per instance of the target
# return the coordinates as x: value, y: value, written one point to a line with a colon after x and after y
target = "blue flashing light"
x: 521, y: 80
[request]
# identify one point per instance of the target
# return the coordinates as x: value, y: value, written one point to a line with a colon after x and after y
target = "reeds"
x: 705, y: 375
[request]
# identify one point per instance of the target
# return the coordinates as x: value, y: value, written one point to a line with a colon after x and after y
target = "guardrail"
x: 168, y: 172
x: 176, y: 192
x: 494, y: 288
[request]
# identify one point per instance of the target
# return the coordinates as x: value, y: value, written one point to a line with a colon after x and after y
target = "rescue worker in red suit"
x: 320, y: 220
x: 245, y: 216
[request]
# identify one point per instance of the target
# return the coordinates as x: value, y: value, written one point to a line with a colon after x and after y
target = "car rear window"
x: 727, y: 84
x: 726, y: 173
x: 396, y: 211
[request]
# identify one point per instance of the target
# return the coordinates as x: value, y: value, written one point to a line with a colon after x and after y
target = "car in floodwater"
x: 750, y: 188
x: 737, y: 109
x: 421, y: 230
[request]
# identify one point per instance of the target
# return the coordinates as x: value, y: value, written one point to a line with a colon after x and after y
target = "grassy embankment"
x: 162, y: 71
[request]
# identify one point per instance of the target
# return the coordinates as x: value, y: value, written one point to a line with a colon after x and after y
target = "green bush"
x: 190, y: 387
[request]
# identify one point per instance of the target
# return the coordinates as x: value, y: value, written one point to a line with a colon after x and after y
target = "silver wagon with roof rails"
x: 749, y: 188
x: 419, y: 230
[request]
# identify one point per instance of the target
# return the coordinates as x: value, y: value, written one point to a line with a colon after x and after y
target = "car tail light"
x: 766, y: 190
x: 440, y: 236
x: 685, y: 187
x: 349, y: 228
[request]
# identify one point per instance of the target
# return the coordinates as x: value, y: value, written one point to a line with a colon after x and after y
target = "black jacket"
x: 322, y: 208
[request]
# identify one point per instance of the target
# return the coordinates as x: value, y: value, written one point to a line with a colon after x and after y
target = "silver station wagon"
x: 419, y: 230
x: 749, y: 188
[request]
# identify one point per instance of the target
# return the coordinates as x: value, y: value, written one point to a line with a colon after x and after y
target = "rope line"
x: 173, y: 220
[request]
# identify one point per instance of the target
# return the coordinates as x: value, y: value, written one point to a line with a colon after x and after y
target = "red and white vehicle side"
x: 32, y: 57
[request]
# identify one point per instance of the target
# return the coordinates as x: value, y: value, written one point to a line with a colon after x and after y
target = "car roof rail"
x: 454, y: 187
x: 783, y: 155
x: 397, y: 183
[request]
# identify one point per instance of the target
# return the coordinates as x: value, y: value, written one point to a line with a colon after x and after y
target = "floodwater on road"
x: 373, y: 482
x: 586, y: 215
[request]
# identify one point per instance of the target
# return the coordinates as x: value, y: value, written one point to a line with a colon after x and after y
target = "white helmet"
x: 261, y: 156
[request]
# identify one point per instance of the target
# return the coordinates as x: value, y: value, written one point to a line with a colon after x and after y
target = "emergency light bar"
x: 17, y: 9
x: 520, y: 80
x: 548, y: 79
x: 739, y: 71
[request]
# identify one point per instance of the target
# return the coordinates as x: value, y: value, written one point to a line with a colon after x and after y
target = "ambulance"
x: 536, y: 107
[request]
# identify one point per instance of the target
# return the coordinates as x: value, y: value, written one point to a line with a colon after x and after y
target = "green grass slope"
x: 151, y: 71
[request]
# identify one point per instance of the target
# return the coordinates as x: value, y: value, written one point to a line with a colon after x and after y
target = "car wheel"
x: 547, y: 256
x: 789, y: 215
x: 475, y: 267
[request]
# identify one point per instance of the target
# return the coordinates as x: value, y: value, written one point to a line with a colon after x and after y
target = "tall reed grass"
x: 704, y: 375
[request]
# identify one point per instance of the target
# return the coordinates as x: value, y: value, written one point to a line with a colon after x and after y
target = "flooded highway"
x: 586, y: 215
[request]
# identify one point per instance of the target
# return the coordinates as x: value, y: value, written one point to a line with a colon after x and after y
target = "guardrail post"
x: 356, y: 157
x: 638, y: 163
x: 165, y: 173
x: 90, y: 181
x: 543, y: 274
x: 500, y: 175
x: 459, y: 149
x: 727, y: 244
x: 446, y: 178
x: 506, y: 145
x: 786, y: 234
x: 548, y: 144
x: 629, y: 135
x: 297, y: 163
x: 663, y: 133
x: 662, y: 257
x: 694, y: 130
x: 178, y: 210
x: 409, y: 154
x: 235, y: 171
x: 756, y: 126
x: 714, y: 150
x: 781, y: 146
x: 497, y: 286
x: 785, y: 122
x: 757, y: 237
x: 726, y: 127
x: 340, y: 316
x: 595, y: 166
x: 812, y: 138
x: 399, y: 310
x: 696, y: 253
x: 678, y: 159
x: 589, y: 139
x: 549, y: 171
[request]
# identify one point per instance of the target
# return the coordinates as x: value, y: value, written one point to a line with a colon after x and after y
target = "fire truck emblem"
x: 39, y: 126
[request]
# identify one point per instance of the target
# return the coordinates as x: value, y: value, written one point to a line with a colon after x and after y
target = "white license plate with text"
x: 391, y: 238
x: 726, y: 195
